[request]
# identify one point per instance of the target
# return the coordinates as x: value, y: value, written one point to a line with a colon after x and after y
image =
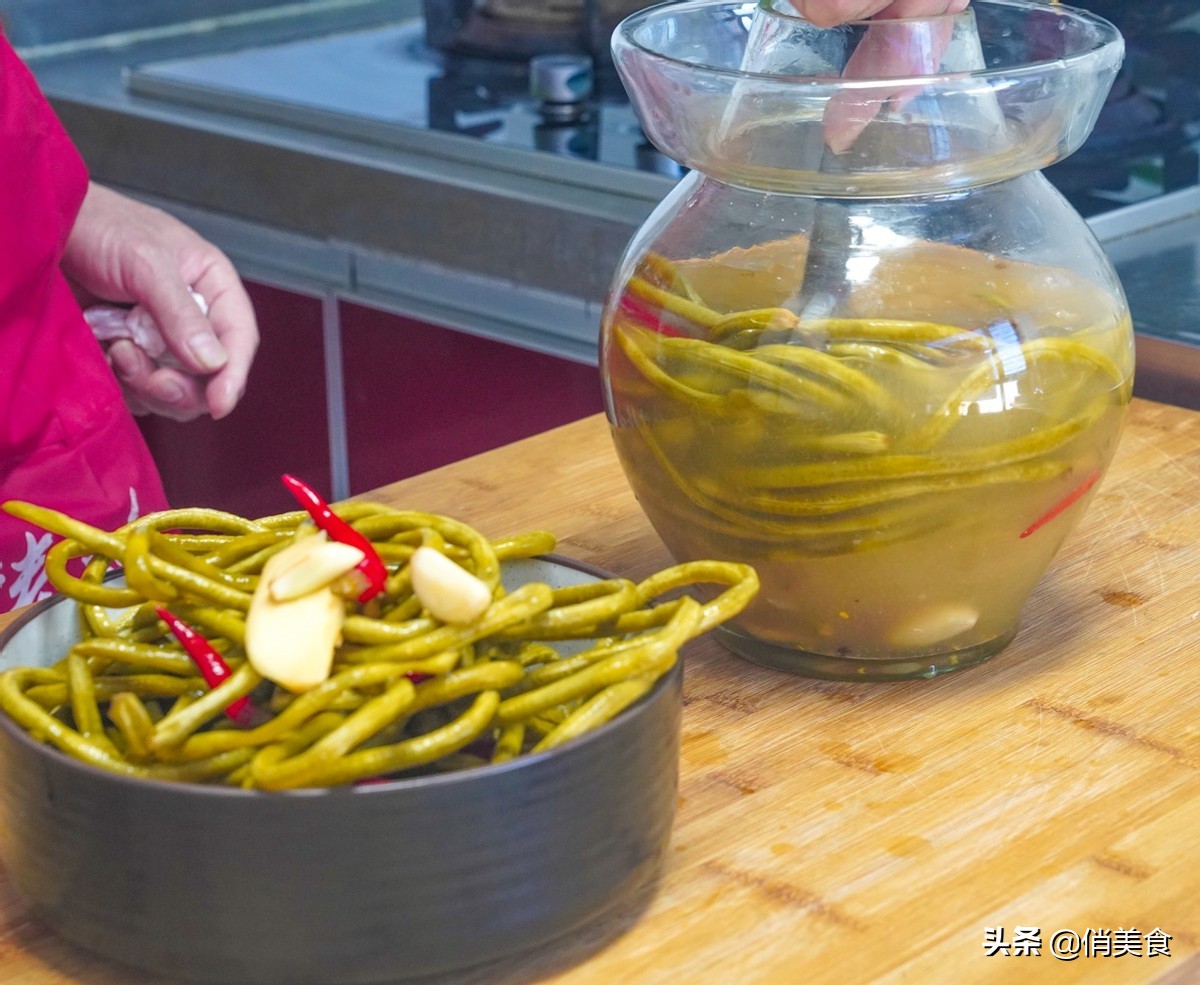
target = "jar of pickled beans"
x: 864, y: 345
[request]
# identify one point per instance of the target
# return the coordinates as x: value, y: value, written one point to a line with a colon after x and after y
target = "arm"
x: 123, y: 251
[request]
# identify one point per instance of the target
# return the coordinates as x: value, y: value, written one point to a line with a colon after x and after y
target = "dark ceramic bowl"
x: 404, y: 879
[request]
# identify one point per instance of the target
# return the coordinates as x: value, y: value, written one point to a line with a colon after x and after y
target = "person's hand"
x: 886, y: 51
x: 826, y: 13
x: 126, y: 252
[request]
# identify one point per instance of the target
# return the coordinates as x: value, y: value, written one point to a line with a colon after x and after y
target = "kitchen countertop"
x: 512, y: 244
x: 836, y: 832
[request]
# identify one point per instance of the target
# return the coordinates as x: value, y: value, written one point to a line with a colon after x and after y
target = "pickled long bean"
x: 405, y: 692
x: 866, y: 465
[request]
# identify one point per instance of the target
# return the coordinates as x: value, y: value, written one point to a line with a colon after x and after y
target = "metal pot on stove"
x: 522, y: 29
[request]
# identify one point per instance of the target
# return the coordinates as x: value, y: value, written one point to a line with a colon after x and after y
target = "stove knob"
x: 561, y: 85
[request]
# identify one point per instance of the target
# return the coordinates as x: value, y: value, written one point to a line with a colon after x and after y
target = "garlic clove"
x: 450, y: 593
x: 933, y: 624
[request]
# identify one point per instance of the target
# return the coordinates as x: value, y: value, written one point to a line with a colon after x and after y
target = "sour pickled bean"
x: 405, y: 692
x: 134, y: 723
x: 597, y: 710
x: 875, y: 472
x: 365, y: 721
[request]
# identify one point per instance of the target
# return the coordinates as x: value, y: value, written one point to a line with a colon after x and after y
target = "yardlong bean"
x: 876, y: 470
x: 406, y: 692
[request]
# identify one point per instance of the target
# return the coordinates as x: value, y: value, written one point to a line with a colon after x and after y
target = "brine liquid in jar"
x: 899, y: 484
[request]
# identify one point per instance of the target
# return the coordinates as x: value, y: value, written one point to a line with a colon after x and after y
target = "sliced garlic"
x: 450, y: 593
x: 291, y: 641
x: 320, y: 566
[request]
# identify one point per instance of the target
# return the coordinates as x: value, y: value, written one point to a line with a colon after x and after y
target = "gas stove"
x: 387, y: 84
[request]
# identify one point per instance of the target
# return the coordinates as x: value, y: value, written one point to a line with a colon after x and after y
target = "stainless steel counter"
x: 1155, y: 246
x: 491, y: 239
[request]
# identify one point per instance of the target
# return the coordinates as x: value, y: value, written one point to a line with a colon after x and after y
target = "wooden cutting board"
x: 873, y: 833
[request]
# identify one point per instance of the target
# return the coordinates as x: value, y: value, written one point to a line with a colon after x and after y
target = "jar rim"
x: 1107, y: 37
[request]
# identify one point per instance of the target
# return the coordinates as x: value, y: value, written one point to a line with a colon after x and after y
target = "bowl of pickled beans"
x: 415, y: 848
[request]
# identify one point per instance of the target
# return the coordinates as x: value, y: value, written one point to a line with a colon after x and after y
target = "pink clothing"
x: 67, y: 439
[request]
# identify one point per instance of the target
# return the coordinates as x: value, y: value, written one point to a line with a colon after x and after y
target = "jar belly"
x: 898, y: 505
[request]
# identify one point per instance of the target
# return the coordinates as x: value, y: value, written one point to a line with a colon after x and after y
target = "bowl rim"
x: 574, y: 748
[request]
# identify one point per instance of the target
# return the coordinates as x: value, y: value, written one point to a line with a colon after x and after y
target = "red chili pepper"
x: 643, y: 313
x: 371, y: 567
x: 213, y: 667
x: 1063, y: 504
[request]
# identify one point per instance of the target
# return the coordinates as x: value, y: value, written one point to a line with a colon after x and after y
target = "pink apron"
x: 66, y: 438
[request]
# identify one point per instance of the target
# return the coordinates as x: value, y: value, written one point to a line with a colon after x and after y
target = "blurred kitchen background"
x: 428, y: 198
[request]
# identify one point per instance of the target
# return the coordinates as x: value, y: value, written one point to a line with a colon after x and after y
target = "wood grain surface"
x: 870, y: 833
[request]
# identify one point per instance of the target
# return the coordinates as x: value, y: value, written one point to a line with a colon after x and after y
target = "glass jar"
x: 864, y: 345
